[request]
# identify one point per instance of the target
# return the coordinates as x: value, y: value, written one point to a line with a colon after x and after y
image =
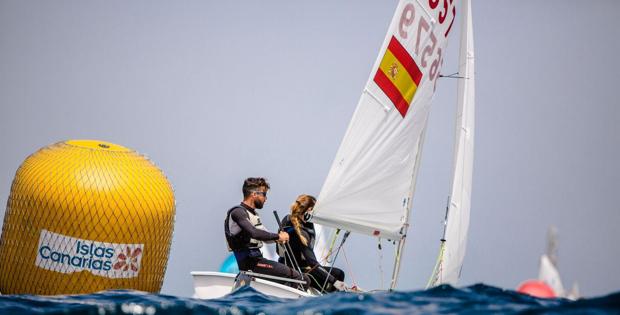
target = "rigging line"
x: 437, y: 271
x: 452, y: 76
x: 308, y: 271
x: 445, y: 220
x: 379, y: 249
x: 288, y: 255
x: 313, y: 278
x: 290, y: 250
x: 287, y: 246
x: 344, y: 238
x: 349, y: 269
x: 331, y: 246
x: 323, y: 239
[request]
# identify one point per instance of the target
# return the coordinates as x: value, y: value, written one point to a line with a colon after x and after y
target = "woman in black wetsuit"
x: 302, y: 237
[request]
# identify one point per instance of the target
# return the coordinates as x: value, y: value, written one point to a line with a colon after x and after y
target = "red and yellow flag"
x: 398, y: 76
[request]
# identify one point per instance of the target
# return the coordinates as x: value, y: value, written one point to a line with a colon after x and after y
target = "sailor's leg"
x: 323, y: 279
x: 246, y: 264
x: 272, y: 268
x: 336, y: 273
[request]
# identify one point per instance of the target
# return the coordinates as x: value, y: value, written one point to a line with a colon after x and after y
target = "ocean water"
x: 476, y: 299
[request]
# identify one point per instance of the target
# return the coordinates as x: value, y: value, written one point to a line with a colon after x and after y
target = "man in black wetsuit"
x: 245, y: 234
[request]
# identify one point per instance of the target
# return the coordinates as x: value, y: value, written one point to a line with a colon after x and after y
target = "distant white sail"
x: 574, y: 293
x: 454, y: 243
x: 548, y: 269
x: 371, y: 182
x: 550, y: 275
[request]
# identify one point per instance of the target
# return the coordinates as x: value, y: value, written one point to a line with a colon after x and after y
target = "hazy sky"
x: 214, y: 92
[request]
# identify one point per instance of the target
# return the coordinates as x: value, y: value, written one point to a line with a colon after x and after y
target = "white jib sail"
x: 454, y: 243
x: 370, y: 184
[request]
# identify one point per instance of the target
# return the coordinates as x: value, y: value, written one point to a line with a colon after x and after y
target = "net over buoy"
x: 85, y: 216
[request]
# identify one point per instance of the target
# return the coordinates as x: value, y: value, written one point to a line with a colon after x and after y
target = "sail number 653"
x: 408, y: 17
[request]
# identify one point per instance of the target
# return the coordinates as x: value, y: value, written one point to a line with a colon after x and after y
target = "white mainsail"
x: 371, y: 182
x: 454, y: 242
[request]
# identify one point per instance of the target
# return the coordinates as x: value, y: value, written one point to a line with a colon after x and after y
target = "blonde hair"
x: 298, y: 209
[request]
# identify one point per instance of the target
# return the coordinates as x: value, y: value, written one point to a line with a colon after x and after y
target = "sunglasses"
x: 264, y: 193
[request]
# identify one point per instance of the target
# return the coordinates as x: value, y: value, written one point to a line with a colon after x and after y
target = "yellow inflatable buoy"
x: 85, y: 216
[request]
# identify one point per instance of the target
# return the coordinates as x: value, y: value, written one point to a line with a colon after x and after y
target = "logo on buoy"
x: 65, y: 254
x: 128, y: 260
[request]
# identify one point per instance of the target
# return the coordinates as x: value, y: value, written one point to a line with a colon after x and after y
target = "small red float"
x: 536, y: 288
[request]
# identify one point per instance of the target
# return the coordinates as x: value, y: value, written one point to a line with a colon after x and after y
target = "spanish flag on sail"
x: 398, y: 76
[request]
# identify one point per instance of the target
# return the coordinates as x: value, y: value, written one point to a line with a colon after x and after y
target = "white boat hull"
x: 213, y: 285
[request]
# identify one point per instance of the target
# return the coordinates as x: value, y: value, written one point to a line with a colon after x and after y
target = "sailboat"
x: 549, y: 279
x: 548, y: 271
x: 370, y: 187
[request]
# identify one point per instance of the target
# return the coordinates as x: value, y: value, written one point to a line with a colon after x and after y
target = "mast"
x: 401, y: 243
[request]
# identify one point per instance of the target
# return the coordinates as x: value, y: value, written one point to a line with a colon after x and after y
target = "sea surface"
x: 476, y: 299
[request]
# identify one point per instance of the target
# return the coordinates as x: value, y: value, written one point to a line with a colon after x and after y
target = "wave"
x: 445, y: 299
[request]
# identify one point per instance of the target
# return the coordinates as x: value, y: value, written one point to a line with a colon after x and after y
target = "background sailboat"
x: 549, y: 278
